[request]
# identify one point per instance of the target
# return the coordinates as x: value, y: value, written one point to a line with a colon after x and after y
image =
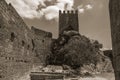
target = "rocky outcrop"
x: 114, y: 7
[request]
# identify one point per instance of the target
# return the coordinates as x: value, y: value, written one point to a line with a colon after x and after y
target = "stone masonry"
x: 21, y: 48
x: 68, y: 20
x: 114, y: 7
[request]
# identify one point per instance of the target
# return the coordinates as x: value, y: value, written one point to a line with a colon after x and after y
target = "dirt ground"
x: 108, y: 76
x: 103, y: 76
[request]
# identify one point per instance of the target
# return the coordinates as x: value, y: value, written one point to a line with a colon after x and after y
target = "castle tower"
x: 68, y: 20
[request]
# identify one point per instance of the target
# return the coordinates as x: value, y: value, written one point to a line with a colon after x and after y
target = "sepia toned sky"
x: 43, y: 14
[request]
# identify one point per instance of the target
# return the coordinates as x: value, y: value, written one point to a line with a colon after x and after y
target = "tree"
x: 74, y: 50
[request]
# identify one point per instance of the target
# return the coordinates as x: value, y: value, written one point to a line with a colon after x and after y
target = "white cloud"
x: 89, y: 6
x: 83, y: 8
x: 50, y: 12
x: 27, y: 8
x: 69, y: 3
x: 37, y: 8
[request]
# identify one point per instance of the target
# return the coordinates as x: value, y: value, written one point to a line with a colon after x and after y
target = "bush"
x: 74, y: 50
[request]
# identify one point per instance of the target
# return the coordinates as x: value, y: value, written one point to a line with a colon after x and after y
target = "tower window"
x: 33, y: 44
x: 1, y: 76
x: 5, y: 57
x: 12, y: 37
x: 43, y: 41
x: 23, y: 43
x: 12, y: 58
x: 9, y: 58
x: 28, y: 47
x: 70, y: 28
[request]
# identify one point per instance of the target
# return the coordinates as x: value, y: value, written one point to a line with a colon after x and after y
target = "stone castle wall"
x: 42, y: 41
x: 19, y: 46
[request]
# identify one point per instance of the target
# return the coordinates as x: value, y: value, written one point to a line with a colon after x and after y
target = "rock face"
x: 114, y: 7
x: 19, y: 46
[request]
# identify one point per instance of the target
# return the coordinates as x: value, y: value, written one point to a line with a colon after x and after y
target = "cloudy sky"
x: 43, y: 14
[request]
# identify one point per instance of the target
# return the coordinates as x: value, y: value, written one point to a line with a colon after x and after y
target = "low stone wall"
x: 46, y: 76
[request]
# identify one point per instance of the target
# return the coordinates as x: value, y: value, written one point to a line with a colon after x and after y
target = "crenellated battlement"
x: 68, y: 12
x: 68, y: 18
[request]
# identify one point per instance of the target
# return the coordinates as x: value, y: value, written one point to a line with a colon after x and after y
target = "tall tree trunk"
x: 114, y: 7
